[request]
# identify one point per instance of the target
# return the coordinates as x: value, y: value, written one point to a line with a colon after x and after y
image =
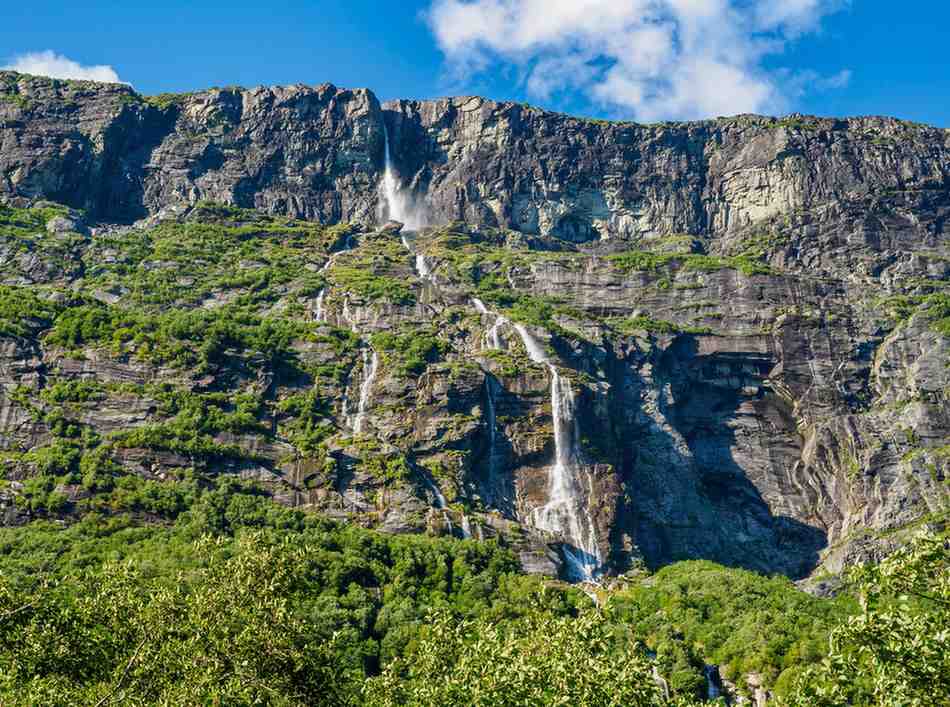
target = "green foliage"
x: 739, y: 620
x: 746, y: 263
x: 195, y: 420
x: 40, y: 493
x: 233, y: 631
x: 393, y: 469
x: 896, y: 651
x: 537, y: 660
x: 641, y: 260
x: 799, y: 122
x: 28, y: 223
x: 935, y: 307
x: 72, y: 391
x: 631, y: 325
x: 373, y: 287
x: 307, y: 420
x: 166, y: 100
x: 300, y: 610
x: 23, y: 313
x: 185, y: 338
x: 409, y: 352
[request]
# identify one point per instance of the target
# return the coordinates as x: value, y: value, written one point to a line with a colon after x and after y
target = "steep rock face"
x: 750, y: 316
x: 308, y: 152
x: 508, y: 165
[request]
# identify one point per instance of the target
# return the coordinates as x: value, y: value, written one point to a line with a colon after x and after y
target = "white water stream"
x: 566, y: 512
x: 370, y: 365
x: 398, y: 203
x: 320, y: 315
x: 466, y: 527
x: 493, y: 335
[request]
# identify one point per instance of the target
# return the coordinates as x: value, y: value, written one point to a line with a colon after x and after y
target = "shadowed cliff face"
x: 749, y: 315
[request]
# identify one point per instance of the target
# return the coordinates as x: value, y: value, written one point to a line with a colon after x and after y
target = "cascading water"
x: 493, y: 336
x: 466, y: 527
x: 422, y: 267
x: 398, y: 203
x: 491, y: 422
x: 370, y: 364
x: 436, y: 494
x: 711, y: 672
x: 319, y: 313
x: 566, y: 512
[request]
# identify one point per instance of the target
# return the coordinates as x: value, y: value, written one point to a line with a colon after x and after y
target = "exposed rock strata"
x: 776, y: 399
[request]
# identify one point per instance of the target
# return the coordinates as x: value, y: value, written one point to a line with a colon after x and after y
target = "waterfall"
x: 566, y: 511
x: 370, y: 364
x: 436, y: 493
x: 399, y: 205
x: 711, y: 673
x: 491, y: 422
x: 422, y: 267
x: 318, y: 315
x: 466, y: 527
x: 493, y: 336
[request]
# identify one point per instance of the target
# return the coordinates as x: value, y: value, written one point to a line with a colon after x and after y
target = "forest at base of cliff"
x: 243, y: 601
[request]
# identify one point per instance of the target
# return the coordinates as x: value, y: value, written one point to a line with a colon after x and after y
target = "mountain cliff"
x: 611, y: 343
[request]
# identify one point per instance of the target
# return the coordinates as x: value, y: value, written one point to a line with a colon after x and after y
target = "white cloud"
x: 660, y: 59
x: 56, y: 66
x: 839, y: 80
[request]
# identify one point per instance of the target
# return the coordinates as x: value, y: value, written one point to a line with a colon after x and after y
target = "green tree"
x: 896, y: 651
x: 231, y: 633
x: 539, y: 659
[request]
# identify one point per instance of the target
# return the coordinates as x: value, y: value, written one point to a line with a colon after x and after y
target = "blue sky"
x: 634, y: 59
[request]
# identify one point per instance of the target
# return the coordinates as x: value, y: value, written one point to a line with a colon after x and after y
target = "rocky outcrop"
x: 317, y: 153
x: 309, y: 152
x: 509, y: 165
x: 748, y: 314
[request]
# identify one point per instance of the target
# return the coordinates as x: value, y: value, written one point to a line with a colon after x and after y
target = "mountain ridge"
x: 745, y: 320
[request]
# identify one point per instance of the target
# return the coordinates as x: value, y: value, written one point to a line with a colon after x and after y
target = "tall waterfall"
x: 370, y: 364
x: 319, y: 313
x: 398, y: 204
x: 492, y: 423
x: 466, y: 527
x: 566, y: 512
